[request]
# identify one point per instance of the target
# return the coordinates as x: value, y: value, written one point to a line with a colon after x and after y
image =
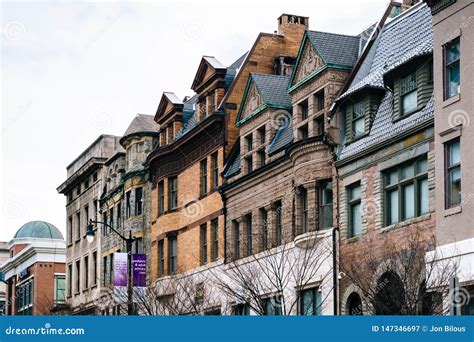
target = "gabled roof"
x: 403, y: 39
x: 168, y: 100
x: 203, y: 72
x: 273, y: 92
x: 335, y: 50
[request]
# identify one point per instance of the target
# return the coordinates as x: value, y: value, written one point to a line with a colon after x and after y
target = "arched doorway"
x: 390, y: 295
x: 354, y: 304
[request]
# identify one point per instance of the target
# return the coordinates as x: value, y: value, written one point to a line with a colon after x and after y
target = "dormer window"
x: 408, y: 94
x: 358, y: 119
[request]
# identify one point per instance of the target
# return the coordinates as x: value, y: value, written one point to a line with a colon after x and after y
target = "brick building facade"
x: 35, y: 272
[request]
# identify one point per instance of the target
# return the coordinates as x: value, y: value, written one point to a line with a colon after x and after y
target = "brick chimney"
x: 290, y: 22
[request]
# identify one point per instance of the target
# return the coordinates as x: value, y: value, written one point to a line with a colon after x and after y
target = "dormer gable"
x: 169, y: 105
x: 322, y: 50
x: 263, y: 91
x: 209, y: 70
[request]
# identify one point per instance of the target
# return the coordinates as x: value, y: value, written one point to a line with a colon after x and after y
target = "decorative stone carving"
x: 252, y: 102
x: 309, y: 62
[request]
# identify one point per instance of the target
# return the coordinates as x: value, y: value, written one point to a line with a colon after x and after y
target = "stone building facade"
x: 125, y: 204
x: 83, y: 189
x: 279, y: 190
x: 453, y: 50
x: 385, y: 167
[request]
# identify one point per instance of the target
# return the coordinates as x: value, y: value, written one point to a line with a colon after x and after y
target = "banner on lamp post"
x: 120, y: 269
x: 139, y: 270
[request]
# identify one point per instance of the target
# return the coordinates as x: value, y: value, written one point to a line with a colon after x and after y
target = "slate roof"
x: 273, y: 89
x: 283, y: 137
x: 233, y: 167
x: 142, y: 123
x: 338, y: 49
x: 404, y: 38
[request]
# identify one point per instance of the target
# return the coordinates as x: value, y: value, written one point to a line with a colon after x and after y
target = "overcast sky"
x: 71, y: 72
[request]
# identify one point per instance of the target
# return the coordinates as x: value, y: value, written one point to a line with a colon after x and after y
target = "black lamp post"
x: 128, y: 241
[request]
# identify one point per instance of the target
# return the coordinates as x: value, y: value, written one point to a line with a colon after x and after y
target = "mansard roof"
x: 272, y: 93
x: 399, y: 42
x: 283, y: 136
x: 404, y: 38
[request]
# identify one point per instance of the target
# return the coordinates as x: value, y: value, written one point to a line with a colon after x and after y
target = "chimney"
x: 288, y: 22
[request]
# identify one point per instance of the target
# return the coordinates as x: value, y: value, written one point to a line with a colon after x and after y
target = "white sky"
x: 72, y: 71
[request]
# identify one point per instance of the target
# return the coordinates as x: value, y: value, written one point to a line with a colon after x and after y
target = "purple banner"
x: 120, y: 269
x: 139, y: 270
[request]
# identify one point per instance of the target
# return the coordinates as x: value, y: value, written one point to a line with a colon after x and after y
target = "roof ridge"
x: 405, y: 14
x: 336, y: 34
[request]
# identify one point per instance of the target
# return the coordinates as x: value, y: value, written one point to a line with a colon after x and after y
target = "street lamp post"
x: 128, y: 242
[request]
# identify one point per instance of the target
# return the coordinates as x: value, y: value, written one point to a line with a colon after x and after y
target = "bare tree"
x: 404, y: 279
x: 277, y: 275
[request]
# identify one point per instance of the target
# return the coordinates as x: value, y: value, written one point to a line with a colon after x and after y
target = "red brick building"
x: 35, y: 272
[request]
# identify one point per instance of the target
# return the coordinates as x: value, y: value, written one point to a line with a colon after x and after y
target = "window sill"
x: 452, y: 211
x: 354, y: 239
x: 406, y: 222
x: 451, y: 100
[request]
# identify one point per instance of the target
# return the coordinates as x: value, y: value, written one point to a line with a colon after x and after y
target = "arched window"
x: 390, y: 296
x: 354, y: 304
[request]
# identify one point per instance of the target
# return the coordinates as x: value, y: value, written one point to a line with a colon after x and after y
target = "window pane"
x: 359, y: 126
x: 453, y: 79
x: 307, y: 303
x: 356, y: 220
x: 393, y: 177
x: 455, y: 186
x: 409, y: 201
x: 407, y: 171
x: 423, y: 196
x: 392, y: 207
x: 409, y: 102
x: 422, y: 166
x: 355, y: 192
x: 454, y: 153
x: 358, y: 110
x: 452, y: 52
